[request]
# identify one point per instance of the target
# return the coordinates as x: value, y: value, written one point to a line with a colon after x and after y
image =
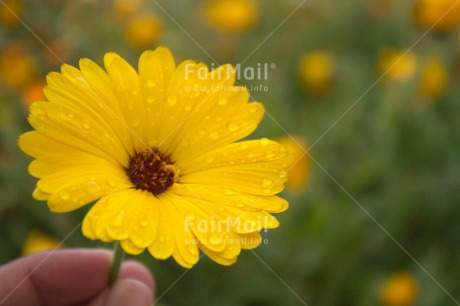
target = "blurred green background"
x: 371, y: 88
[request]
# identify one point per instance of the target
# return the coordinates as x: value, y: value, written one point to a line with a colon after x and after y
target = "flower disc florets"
x: 152, y: 171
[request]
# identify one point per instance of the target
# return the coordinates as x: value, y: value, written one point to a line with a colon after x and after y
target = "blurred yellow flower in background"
x: 401, y: 289
x: 38, y: 241
x: 157, y: 151
x: 317, y: 72
x: 299, y: 172
x: 125, y: 8
x: 143, y: 30
x: 434, y: 79
x: 8, y: 10
x: 397, y: 66
x: 232, y: 15
x: 17, y: 67
x: 442, y: 15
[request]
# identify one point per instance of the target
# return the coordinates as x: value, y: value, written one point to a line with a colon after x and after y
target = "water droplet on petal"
x: 119, y: 218
x: 85, y: 124
x: 229, y: 192
x: 192, y: 249
x: 162, y: 238
x: 151, y: 83
x: 64, y: 194
x: 267, y: 182
x: 172, y: 100
x: 264, y: 141
x: 112, y: 181
x: 144, y: 222
x: 134, y: 92
x: 232, y: 127
x: 268, y: 191
x: 151, y: 99
x: 214, y: 239
x: 214, y: 135
x: 243, y: 146
x: 223, y: 100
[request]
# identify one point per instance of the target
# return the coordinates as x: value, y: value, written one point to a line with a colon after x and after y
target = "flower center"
x: 152, y: 171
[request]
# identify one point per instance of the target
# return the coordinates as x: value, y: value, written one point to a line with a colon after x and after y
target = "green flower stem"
x: 118, y: 255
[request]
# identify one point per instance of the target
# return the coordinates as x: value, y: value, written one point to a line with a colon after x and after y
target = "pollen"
x: 152, y: 171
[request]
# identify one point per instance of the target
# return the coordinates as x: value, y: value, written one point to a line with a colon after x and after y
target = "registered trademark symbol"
x: 272, y: 66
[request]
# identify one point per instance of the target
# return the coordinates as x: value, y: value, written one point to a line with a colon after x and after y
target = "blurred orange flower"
x: 401, y: 289
x: 299, y: 171
x: 17, y: 67
x: 317, y: 71
x: 232, y: 15
x: 442, y: 15
x: 33, y: 92
x: 143, y: 31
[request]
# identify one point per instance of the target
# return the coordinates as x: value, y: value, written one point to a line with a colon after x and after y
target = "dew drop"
x: 65, y: 195
x: 151, y: 99
x: 202, y: 132
x: 239, y: 204
x: 85, y: 124
x: 243, y: 146
x: 264, y: 141
x: 267, y: 182
x: 172, y: 100
x: 229, y: 192
x: 223, y: 100
x: 120, y: 217
x: 134, y: 92
x: 214, y: 135
x: 268, y: 191
x: 144, y: 223
x: 188, y: 107
x: 151, y: 83
x: 162, y: 238
x: 192, y: 249
x: 112, y: 181
x: 214, y: 239
x: 232, y: 127
x: 70, y: 115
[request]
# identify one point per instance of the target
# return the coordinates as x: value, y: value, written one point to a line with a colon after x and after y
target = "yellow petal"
x: 131, y: 248
x: 186, y: 250
x: 163, y: 245
x: 126, y: 85
x: 125, y: 215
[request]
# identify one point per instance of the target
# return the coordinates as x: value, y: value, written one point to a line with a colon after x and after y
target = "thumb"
x: 125, y: 292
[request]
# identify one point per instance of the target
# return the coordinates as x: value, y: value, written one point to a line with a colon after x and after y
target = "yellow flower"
x: 232, y: 15
x: 299, y: 171
x: 38, y: 241
x: 397, y: 66
x: 400, y: 290
x: 316, y: 71
x: 442, y: 15
x: 434, y: 79
x: 157, y: 150
x: 143, y: 31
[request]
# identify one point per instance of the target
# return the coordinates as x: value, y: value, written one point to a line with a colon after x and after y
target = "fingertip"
x: 129, y: 292
x: 131, y: 269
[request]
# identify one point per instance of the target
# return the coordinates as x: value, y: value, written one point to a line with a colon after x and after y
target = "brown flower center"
x: 152, y: 171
